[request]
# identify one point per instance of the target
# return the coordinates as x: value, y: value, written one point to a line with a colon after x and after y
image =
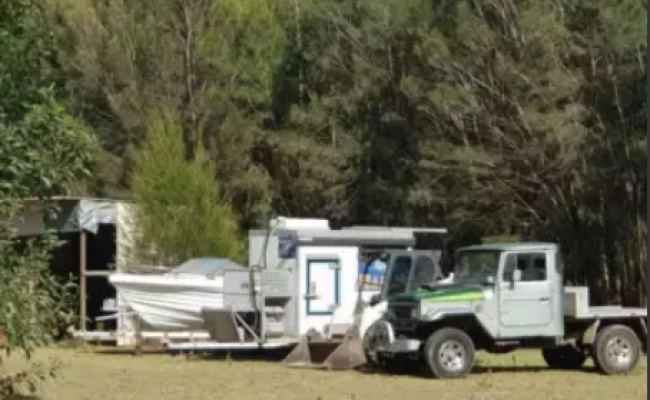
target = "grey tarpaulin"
x: 74, y: 215
x: 86, y: 215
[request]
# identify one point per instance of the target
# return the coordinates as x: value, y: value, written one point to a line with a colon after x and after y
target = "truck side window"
x: 532, y: 267
x: 536, y: 271
x: 425, y: 272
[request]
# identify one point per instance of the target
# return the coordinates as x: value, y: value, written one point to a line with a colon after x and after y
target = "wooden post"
x: 82, y: 281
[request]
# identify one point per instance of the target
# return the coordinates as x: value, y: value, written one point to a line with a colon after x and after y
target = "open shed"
x: 98, y: 240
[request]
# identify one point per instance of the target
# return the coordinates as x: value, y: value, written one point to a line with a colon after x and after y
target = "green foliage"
x: 182, y: 214
x: 31, y: 303
x: 43, y: 151
x: 26, y: 50
x: 41, y: 156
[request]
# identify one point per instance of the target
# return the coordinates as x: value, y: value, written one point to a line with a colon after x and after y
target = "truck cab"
x: 505, y: 296
x: 513, y: 291
x: 522, y: 288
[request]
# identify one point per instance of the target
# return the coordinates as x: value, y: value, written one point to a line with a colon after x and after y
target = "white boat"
x: 173, y: 301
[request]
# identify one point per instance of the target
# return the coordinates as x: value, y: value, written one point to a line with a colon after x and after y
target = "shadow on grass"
x: 271, y: 356
x: 408, y: 368
x: 486, y: 369
x: 419, y: 371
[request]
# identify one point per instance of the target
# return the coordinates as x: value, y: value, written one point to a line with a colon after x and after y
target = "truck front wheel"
x: 616, y: 350
x: 449, y: 353
x: 564, y: 357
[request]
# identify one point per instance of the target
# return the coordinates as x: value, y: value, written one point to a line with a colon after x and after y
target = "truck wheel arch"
x: 639, y: 326
x: 465, y: 321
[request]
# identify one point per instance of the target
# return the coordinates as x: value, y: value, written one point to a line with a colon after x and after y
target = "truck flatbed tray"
x: 609, y: 312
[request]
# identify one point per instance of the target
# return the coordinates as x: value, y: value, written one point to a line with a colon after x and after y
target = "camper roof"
x: 350, y: 237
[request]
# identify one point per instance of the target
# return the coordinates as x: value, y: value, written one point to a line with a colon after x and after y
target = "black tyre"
x: 377, y: 333
x: 449, y: 353
x: 564, y: 357
x: 616, y: 350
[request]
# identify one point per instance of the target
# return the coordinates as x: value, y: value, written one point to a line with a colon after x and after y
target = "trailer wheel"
x: 564, y: 357
x: 449, y: 353
x: 616, y: 350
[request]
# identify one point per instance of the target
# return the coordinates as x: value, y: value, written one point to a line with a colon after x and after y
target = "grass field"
x: 88, y: 375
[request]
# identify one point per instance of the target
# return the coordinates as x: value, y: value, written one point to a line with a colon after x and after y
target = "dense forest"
x: 488, y: 117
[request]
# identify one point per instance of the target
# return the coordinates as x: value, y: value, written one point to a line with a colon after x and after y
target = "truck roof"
x: 513, y: 246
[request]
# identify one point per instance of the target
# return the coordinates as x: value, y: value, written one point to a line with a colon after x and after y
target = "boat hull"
x: 169, y: 303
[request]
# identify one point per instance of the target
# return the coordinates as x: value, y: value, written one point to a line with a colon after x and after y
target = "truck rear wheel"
x: 564, y: 357
x: 449, y: 353
x: 616, y: 350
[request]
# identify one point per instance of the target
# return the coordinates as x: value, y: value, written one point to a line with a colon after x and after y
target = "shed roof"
x: 75, y: 214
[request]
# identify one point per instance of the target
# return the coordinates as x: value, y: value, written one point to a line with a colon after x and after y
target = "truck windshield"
x: 476, y: 265
x: 399, y: 275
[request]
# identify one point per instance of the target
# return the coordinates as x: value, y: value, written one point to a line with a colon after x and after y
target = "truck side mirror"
x: 374, y: 300
x: 516, y: 275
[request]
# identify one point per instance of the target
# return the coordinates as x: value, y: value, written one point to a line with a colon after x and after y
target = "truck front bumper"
x: 400, y: 345
x: 383, y: 341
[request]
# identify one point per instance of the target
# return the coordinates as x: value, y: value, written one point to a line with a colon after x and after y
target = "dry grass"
x: 521, y: 376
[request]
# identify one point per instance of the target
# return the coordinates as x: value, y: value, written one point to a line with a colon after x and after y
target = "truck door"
x: 525, y: 306
x: 408, y: 270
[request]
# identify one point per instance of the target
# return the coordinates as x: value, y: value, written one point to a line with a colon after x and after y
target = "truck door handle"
x: 544, y: 299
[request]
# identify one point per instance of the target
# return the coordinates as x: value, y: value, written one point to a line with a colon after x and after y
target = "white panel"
x: 124, y: 259
x: 126, y: 237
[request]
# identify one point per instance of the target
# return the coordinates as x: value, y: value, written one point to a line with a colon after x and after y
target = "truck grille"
x: 401, y: 316
x: 402, y: 311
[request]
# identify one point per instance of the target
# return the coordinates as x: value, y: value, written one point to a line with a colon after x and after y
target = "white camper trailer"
x: 302, y: 275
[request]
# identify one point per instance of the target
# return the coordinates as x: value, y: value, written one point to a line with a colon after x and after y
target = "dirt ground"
x: 89, y: 375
